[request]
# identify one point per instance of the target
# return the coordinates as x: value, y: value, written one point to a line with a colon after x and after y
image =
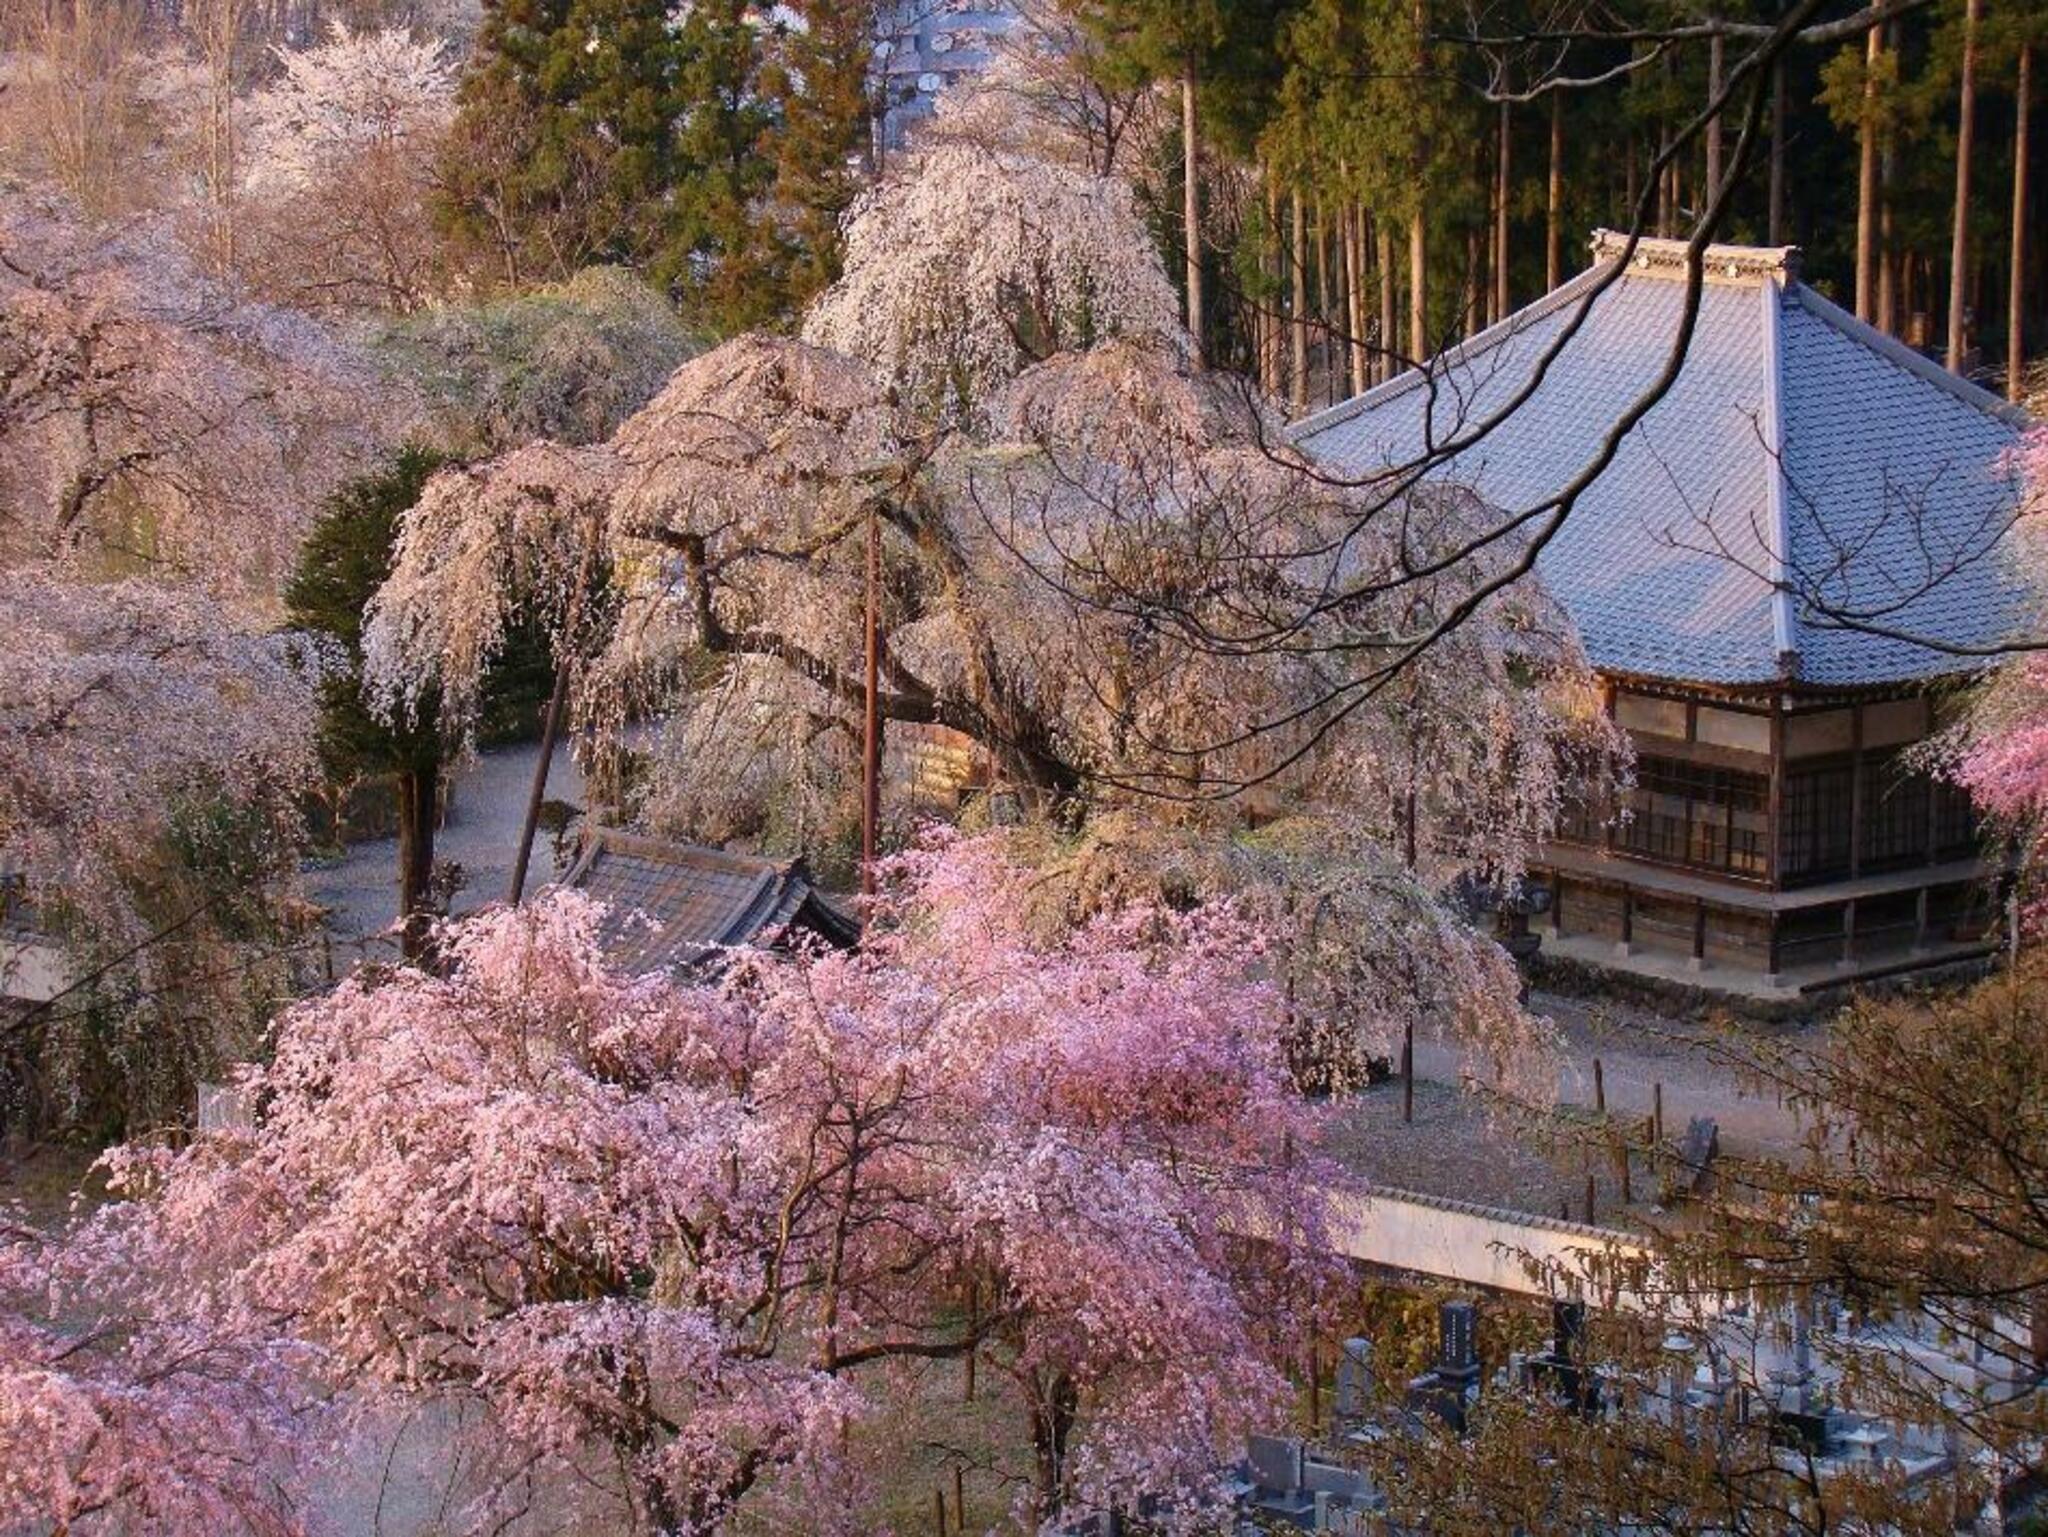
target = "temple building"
x: 1789, y: 563
x: 681, y: 908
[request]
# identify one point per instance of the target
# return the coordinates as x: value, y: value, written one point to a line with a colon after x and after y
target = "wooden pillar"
x: 1557, y: 909
x: 1849, y: 932
x: 1607, y: 692
x: 1773, y: 963
x: 1855, y: 791
x: 1699, y: 935
x: 1774, y: 819
x: 1920, y: 906
x: 1933, y: 828
x: 1628, y: 918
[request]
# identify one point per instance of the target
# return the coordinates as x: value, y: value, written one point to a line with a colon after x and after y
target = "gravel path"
x: 1639, y: 1049
x: 1459, y: 1147
x: 488, y: 808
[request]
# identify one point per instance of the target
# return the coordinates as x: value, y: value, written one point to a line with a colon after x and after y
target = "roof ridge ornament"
x: 1656, y: 257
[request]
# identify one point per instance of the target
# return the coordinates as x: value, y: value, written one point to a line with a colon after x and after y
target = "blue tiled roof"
x: 1699, y: 552
x: 678, y: 905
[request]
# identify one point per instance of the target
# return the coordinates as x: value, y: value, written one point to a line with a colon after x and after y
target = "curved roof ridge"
x: 1784, y: 617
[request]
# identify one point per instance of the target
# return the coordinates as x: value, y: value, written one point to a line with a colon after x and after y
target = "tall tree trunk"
x: 1054, y: 1409
x: 1667, y: 176
x: 1418, y: 285
x: 1298, y: 247
x: 1478, y: 280
x: 1389, y: 345
x: 1667, y: 182
x: 1191, y: 209
x: 219, y: 26
x: 2016, y: 290
x: 1270, y: 258
x: 1418, y: 221
x: 1716, y: 67
x: 1326, y: 305
x: 1504, y: 182
x: 1887, y: 241
x: 1354, y: 297
x: 1866, y: 182
x: 1959, y: 241
x: 1553, y: 221
x: 419, y: 793
x: 1775, y: 219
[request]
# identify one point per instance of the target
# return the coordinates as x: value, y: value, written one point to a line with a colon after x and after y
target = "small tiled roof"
x: 1799, y: 452
x: 677, y: 905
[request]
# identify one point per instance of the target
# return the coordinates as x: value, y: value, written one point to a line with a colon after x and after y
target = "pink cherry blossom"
x: 693, y: 1224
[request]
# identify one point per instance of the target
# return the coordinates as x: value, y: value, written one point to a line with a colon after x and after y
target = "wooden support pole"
x: 1599, y: 1087
x: 939, y: 1512
x: 973, y: 1327
x: 959, y: 1498
x: 1590, y: 1192
x: 551, y: 723
x: 550, y: 731
x: 1657, y: 1113
x: 1621, y: 1170
x: 1408, y: 1074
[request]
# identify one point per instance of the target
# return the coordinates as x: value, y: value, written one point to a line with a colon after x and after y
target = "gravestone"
x: 1561, y: 1370
x: 1275, y: 1462
x: 1457, y: 1342
x: 1277, y: 1467
x: 1447, y: 1389
x: 1353, y: 1399
x: 1696, y: 1150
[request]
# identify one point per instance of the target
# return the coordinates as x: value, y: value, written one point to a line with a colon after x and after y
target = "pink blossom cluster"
x: 692, y: 1224
x: 1999, y: 751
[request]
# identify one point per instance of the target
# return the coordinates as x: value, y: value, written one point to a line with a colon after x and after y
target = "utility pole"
x: 551, y: 726
x: 871, y: 738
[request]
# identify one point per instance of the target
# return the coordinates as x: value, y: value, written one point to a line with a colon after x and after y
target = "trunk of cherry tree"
x: 1191, y: 209
x: 1553, y: 222
x: 2016, y: 290
x: 419, y: 796
x: 1054, y: 1408
x: 1959, y: 242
